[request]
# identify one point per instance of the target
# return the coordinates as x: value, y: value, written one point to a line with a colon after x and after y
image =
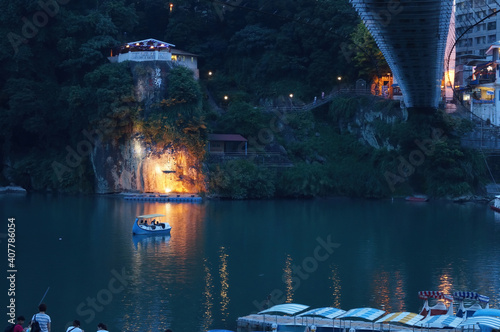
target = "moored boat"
x: 496, y: 204
x: 439, y: 308
x: 469, y: 311
x: 417, y: 198
x: 150, y: 224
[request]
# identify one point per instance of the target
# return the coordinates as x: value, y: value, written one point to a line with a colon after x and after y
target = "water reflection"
x: 287, y: 278
x: 387, y: 289
x: 208, y: 302
x: 446, y: 281
x: 142, y: 242
x: 335, y: 287
x: 224, y: 282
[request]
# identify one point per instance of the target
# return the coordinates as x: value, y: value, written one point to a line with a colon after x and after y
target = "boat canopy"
x: 147, y: 216
x: 492, y: 322
x: 369, y: 314
x: 424, y: 295
x: 325, y: 312
x: 285, y: 309
x: 440, y: 321
x: 406, y: 318
x: 471, y: 295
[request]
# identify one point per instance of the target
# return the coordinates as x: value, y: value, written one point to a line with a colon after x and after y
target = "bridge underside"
x: 412, y: 35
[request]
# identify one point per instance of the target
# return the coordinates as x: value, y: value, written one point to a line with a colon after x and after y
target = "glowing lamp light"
x: 151, y: 47
x: 226, y: 97
x: 490, y: 68
x: 339, y: 78
x: 162, y: 45
x: 127, y: 46
x: 209, y: 73
x: 168, y: 190
x: 291, y: 95
x: 136, y: 44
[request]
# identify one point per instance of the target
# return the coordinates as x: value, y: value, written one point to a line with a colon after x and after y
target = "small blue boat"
x: 150, y: 224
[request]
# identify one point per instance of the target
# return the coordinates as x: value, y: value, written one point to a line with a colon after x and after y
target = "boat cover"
x: 285, y: 309
x: 146, y: 216
x: 424, y: 295
x: 407, y: 318
x: 440, y: 321
x: 471, y: 295
x: 369, y: 314
x: 326, y: 312
x: 492, y: 322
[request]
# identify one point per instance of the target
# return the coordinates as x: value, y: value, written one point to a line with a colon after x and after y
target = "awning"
x: 407, y: 318
x: 471, y: 295
x: 326, y: 312
x: 369, y: 314
x: 433, y: 295
x: 440, y: 321
x: 285, y: 309
x: 492, y: 322
x: 146, y: 216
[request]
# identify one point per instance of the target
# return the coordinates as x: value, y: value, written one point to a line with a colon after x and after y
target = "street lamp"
x: 291, y: 95
x: 226, y: 97
x: 210, y: 73
x: 339, y: 78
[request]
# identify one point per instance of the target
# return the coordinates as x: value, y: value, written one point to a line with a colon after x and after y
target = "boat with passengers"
x: 150, y: 224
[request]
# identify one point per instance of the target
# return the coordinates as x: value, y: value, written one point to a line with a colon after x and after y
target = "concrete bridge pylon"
x: 412, y: 35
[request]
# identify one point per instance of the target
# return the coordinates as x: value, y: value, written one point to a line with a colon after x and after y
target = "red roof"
x: 226, y: 137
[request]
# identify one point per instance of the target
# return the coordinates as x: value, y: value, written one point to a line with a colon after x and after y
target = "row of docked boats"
x: 472, y: 313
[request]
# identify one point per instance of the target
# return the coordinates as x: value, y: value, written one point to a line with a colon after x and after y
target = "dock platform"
x: 164, y: 198
x: 298, y: 323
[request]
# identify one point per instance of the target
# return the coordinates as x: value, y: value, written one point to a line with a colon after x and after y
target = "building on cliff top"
x: 155, y: 50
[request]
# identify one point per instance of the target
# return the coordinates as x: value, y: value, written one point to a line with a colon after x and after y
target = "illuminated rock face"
x: 133, y: 166
x: 412, y: 35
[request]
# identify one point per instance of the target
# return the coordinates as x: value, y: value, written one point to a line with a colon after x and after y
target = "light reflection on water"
x: 288, y: 279
x: 224, y: 281
x: 336, y: 288
x: 208, y: 302
x: 223, y: 256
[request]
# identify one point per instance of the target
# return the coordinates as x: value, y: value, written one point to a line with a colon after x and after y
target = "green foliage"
x: 241, y: 179
x: 182, y: 87
x: 244, y: 119
x: 368, y: 57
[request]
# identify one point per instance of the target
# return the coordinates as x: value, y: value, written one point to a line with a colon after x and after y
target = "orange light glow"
x: 168, y: 190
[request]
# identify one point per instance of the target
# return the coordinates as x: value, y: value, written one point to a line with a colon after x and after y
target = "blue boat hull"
x: 157, y: 231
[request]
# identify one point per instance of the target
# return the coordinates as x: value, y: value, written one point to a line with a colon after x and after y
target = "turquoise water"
x: 224, y: 258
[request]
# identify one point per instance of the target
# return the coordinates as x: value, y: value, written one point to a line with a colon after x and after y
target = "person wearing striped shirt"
x: 42, y: 318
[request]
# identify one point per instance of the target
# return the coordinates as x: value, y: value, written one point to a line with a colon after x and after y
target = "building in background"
x: 472, y: 46
x: 155, y: 50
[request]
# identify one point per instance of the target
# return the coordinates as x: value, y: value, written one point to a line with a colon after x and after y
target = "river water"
x: 224, y: 258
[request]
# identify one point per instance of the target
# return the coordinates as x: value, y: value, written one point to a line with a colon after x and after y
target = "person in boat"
x: 102, y: 327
